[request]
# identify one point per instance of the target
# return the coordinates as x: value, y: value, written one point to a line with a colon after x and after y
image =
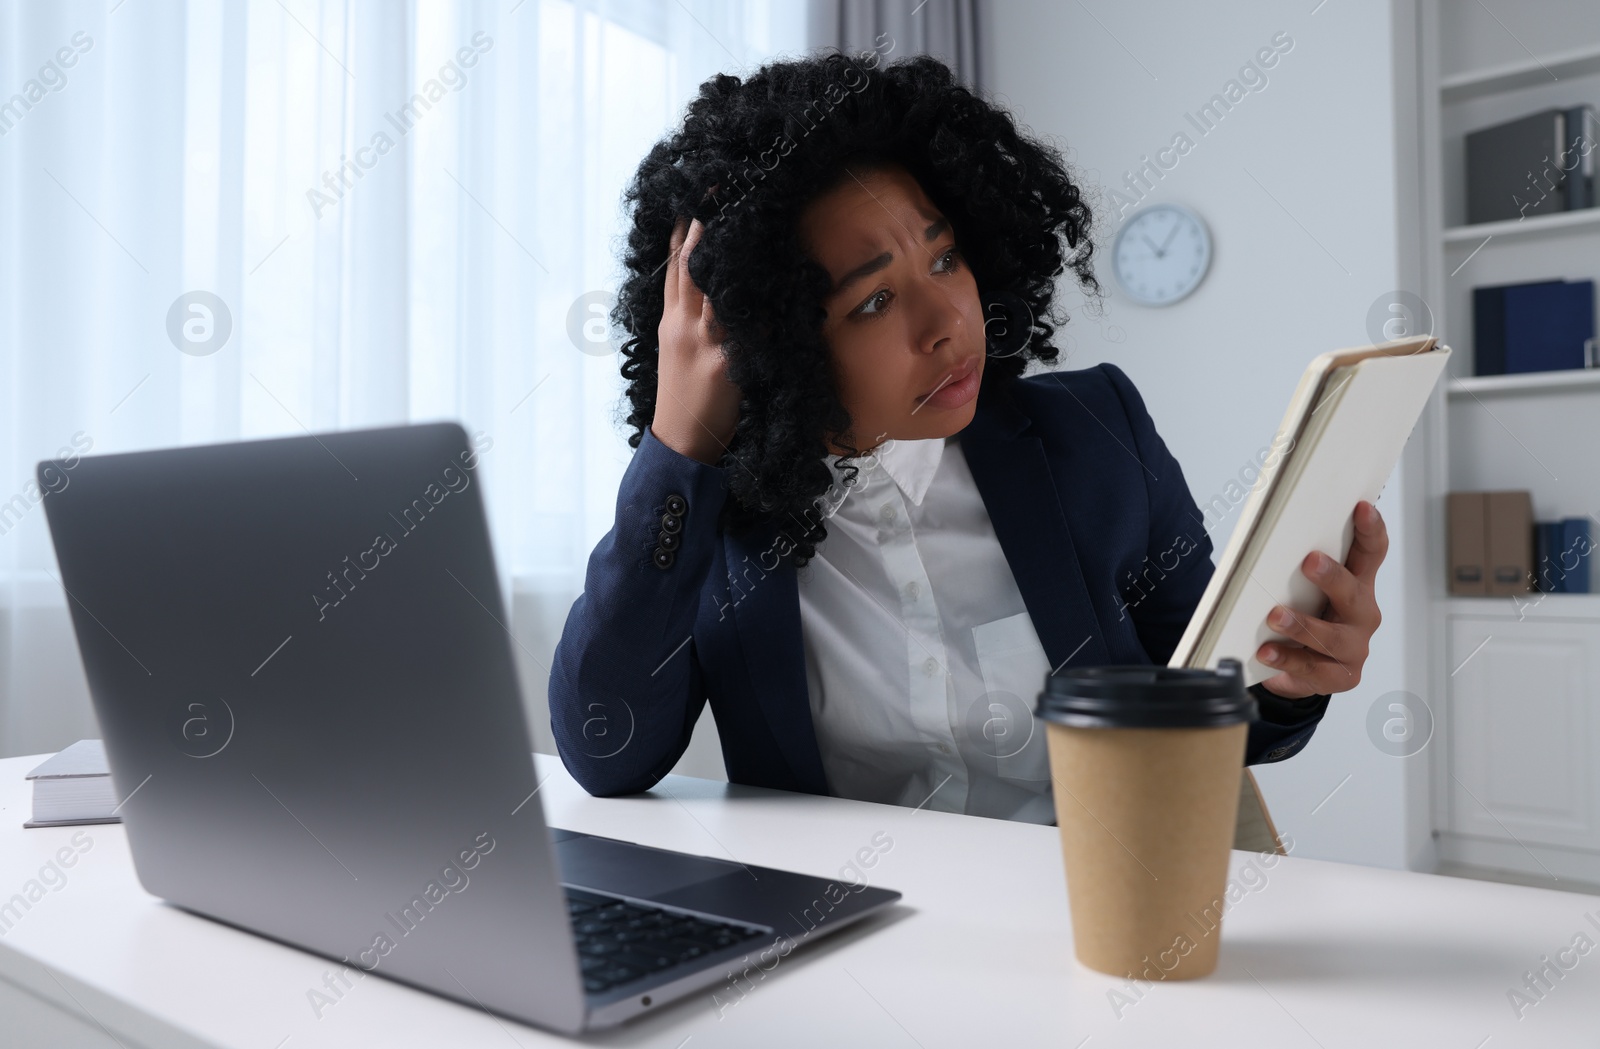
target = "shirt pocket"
x: 1001, y: 724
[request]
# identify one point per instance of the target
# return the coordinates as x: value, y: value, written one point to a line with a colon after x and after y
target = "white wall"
x: 1298, y: 186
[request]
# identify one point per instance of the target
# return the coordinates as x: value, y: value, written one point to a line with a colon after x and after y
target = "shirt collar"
x: 909, y: 464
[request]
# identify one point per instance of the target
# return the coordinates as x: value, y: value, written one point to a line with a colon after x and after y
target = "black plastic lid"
x: 1147, y: 697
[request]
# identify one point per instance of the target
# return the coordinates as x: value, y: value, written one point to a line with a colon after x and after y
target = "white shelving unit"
x: 1525, y: 606
x: 1528, y: 383
x: 1531, y: 227
x: 1516, y: 681
x: 1497, y: 80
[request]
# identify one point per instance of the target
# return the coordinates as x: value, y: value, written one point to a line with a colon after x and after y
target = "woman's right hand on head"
x: 696, y: 404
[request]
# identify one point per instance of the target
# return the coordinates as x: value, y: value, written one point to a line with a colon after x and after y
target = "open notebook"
x: 1348, y: 419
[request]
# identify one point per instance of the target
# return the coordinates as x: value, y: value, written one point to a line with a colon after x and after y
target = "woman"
x: 850, y: 525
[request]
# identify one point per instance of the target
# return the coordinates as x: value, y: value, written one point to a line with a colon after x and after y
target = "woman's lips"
x: 959, y: 387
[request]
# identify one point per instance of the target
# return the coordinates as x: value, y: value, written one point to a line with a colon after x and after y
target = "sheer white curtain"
x: 392, y: 211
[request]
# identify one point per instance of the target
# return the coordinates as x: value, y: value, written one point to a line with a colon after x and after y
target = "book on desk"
x: 74, y: 787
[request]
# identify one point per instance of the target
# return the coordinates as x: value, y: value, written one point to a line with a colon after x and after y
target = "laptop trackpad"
x: 608, y: 865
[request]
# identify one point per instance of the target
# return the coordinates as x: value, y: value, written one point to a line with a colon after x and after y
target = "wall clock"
x: 1161, y: 254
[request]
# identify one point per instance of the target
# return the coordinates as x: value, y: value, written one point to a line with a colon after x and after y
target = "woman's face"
x: 904, y: 325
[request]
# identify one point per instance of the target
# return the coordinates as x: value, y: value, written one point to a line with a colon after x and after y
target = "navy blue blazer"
x: 1092, y: 512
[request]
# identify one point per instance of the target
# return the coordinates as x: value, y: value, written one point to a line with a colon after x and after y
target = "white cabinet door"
x: 1522, y: 730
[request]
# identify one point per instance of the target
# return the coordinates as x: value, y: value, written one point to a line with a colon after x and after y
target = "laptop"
x: 298, y: 653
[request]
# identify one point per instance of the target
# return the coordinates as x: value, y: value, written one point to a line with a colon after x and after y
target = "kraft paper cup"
x: 1145, y: 764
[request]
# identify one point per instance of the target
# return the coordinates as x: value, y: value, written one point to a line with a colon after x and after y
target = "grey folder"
x: 1535, y: 165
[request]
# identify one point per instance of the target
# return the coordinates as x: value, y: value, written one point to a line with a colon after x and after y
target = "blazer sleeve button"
x: 671, y: 523
x: 663, y: 558
x: 677, y: 505
x: 666, y: 541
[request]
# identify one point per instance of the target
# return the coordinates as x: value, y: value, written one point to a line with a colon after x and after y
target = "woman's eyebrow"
x: 866, y: 269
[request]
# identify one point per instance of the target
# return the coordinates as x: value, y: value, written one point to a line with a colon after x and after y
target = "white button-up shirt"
x: 921, y: 661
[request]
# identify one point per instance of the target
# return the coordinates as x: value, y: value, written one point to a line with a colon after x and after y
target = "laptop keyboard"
x: 620, y: 941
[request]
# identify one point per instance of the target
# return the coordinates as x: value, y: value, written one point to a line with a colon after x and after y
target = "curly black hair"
x: 748, y: 158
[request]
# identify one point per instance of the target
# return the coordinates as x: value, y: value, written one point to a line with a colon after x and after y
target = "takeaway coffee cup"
x: 1145, y: 764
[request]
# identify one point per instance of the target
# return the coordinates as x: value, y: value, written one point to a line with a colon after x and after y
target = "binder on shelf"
x: 1532, y: 327
x: 1350, y: 417
x: 1583, y: 133
x: 1510, y: 542
x: 1573, y: 555
x: 1534, y: 165
x: 1563, y: 552
x: 1469, y: 544
x: 1546, y: 556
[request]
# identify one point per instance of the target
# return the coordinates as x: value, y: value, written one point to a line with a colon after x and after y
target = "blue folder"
x: 1562, y: 554
x: 1575, y: 554
x: 1548, y: 576
x: 1535, y: 327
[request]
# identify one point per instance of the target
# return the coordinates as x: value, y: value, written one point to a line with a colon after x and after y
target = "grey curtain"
x: 946, y: 29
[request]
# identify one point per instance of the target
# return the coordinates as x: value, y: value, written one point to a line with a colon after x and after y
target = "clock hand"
x: 1153, y: 248
x: 1170, y: 235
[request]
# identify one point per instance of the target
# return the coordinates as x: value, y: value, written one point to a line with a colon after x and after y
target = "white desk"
x: 977, y: 954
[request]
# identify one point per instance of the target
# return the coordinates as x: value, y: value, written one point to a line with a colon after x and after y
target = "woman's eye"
x: 949, y: 262
x: 863, y: 310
